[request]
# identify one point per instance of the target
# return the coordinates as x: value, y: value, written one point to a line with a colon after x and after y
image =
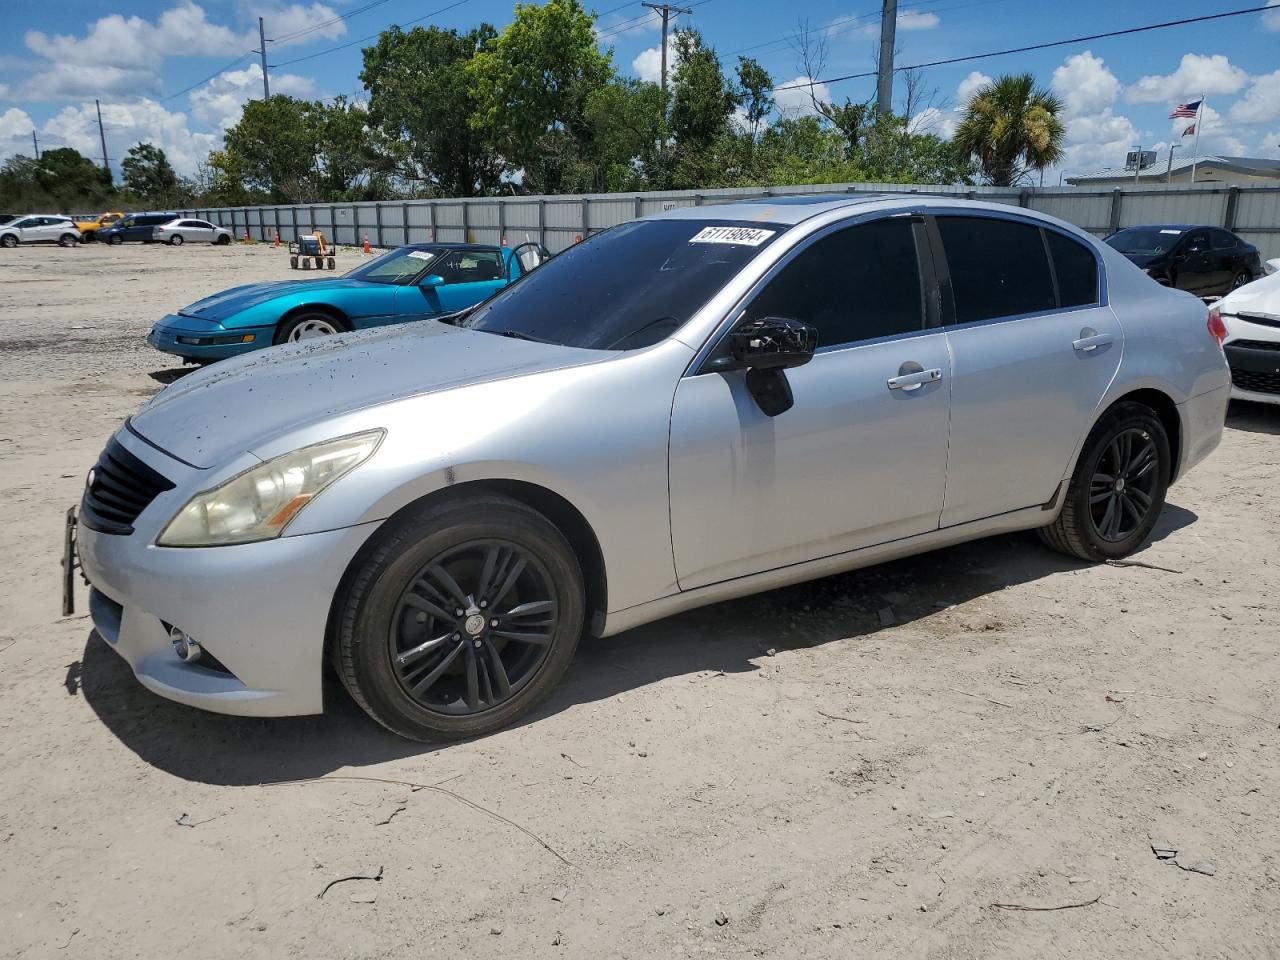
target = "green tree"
x: 149, y: 176
x: 345, y: 160
x: 1010, y: 128
x: 627, y: 119
x: 702, y: 103
x: 272, y: 149
x: 60, y: 181
x: 421, y: 104
x: 532, y: 84
x: 756, y: 87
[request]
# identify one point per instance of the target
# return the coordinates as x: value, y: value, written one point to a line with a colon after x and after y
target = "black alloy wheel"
x: 1239, y: 280
x: 473, y: 627
x: 1122, y: 488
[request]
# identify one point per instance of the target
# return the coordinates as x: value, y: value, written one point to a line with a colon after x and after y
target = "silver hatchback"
x: 684, y: 409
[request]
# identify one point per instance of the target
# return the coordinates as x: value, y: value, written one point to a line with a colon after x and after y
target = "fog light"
x: 187, y: 648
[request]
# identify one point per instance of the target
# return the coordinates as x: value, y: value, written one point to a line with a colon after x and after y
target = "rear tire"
x: 115, y: 240
x: 477, y: 674
x: 1118, y: 488
x: 69, y: 239
x: 176, y: 240
x: 1240, y: 279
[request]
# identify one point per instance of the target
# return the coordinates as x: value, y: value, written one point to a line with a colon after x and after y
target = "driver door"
x: 1196, y: 272
x: 469, y: 276
x: 860, y: 458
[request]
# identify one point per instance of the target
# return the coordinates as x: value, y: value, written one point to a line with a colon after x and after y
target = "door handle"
x: 1091, y: 339
x: 914, y: 381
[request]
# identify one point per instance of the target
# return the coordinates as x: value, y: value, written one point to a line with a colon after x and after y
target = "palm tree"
x: 1011, y: 128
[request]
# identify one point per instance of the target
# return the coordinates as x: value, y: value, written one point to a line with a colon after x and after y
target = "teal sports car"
x: 413, y: 282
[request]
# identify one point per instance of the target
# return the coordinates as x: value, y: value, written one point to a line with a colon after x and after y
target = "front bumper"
x: 260, y: 609
x: 1255, y: 370
x: 206, y: 339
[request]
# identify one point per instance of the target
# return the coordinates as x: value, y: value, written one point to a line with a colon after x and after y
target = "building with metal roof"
x: 1208, y: 169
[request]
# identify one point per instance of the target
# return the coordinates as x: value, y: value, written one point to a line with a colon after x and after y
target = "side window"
x: 1076, y: 268
x: 998, y: 268
x: 1196, y: 242
x: 471, y: 266
x: 1222, y: 240
x: 855, y: 284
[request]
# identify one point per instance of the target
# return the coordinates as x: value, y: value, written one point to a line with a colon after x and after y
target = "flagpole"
x: 1196, y: 149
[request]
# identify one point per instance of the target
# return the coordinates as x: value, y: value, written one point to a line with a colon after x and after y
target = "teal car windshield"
x: 398, y: 266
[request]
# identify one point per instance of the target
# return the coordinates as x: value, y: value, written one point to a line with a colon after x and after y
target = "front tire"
x: 308, y: 326
x: 8, y: 241
x: 223, y: 240
x: 1118, y: 489
x: 461, y: 618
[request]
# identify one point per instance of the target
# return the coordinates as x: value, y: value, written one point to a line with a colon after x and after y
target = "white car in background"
x: 40, y: 228
x: 182, y: 230
x: 1251, y: 315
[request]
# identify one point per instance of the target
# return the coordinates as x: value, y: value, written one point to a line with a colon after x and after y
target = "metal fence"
x: 557, y: 222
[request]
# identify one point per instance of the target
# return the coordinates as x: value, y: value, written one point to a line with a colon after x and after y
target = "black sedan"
x: 1207, y: 261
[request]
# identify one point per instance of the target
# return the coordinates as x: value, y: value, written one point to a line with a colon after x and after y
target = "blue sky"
x: 140, y: 56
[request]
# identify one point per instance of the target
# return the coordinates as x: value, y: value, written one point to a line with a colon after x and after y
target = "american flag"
x: 1186, y: 109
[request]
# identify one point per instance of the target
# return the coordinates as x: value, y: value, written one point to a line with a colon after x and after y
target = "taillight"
x: 159, y: 229
x: 1217, y: 329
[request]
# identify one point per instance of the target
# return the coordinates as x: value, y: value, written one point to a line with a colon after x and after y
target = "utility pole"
x: 102, y: 135
x: 1168, y: 177
x: 666, y: 10
x: 35, y: 144
x: 262, y: 49
x: 1137, y: 163
x: 884, y: 73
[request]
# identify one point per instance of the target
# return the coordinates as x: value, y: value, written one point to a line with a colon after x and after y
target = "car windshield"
x: 626, y: 288
x: 394, y: 267
x: 1145, y: 241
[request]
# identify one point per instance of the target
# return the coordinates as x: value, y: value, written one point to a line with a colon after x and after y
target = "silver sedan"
x: 182, y: 230
x: 684, y: 409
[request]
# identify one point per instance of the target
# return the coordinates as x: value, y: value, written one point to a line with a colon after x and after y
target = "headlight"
x: 259, y: 503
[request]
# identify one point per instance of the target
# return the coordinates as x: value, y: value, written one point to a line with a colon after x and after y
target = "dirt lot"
x: 782, y: 776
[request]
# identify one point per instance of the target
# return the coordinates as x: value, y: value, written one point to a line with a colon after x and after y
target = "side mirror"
x: 774, y: 343
x: 431, y: 280
x: 767, y: 348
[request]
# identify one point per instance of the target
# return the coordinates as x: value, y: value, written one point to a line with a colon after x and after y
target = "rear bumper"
x: 164, y: 336
x: 1203, y: 418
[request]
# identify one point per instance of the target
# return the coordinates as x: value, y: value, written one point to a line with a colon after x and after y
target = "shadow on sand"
x: 727, y: 637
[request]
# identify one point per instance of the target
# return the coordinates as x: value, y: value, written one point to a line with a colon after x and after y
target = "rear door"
x: 1034, y: 348
x: 859, y: 459
x: 197, y: 230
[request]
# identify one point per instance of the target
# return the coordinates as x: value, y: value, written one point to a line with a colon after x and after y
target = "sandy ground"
x: 780, y: 777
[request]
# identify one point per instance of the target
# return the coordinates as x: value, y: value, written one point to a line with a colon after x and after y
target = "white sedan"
x: 1251, y: 315
x: 182, y: 230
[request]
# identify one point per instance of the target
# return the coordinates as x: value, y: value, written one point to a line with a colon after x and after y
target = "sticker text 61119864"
x: 741, y: 236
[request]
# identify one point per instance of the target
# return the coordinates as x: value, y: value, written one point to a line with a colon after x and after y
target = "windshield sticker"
x: 422, y: 254
x: 1176, y: 233
x: 740, y: 236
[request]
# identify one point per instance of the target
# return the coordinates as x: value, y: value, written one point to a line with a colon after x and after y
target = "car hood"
x: 222, y: 305
x: 211, y: 416
x: 1260, y: 298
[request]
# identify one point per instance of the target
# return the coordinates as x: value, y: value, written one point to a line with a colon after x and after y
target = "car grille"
x: 1255, y: 382
x: 120, y: 487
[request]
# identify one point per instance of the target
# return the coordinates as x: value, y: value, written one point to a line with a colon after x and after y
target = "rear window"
x: 999, y: 268
x: 1076, y: 268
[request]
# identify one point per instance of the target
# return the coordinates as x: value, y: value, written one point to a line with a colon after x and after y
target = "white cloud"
x: 220, y: 101
x: 1271, y: 19
x: 915, y: 20
x: 648, y: 63
x: 1197, y: 74
x: 128, y: 124
x: 1096, y: 136
x: 280, y: 22
x: 1260, y: 103
x: 122, y: 56
x: 15, y: 131
x: 797, y: 102
x: 931, y: 120
x: 970, y: 85
x: 627, y: 24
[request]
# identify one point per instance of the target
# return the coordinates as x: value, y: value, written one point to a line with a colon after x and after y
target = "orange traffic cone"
x: 246, y: 235
x: 277, y: 243
x: 367, y: 248
x: 577, y: 238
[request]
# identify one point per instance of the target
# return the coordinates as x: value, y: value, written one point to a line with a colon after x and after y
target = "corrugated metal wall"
x: 558, y: 222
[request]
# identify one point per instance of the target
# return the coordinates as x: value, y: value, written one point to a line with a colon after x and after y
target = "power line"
x: 372, y: 36
x: 328, y: 23
x: 646, y: 17
x: 234, y: 63
x: 1034, y: 46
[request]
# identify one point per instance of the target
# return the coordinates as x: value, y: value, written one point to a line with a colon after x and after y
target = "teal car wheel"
x: 307, y: 326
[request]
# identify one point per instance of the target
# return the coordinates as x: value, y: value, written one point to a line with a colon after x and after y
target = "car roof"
x: 1172, y: 226
x: 450, y: 245
x: 788, y: 210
